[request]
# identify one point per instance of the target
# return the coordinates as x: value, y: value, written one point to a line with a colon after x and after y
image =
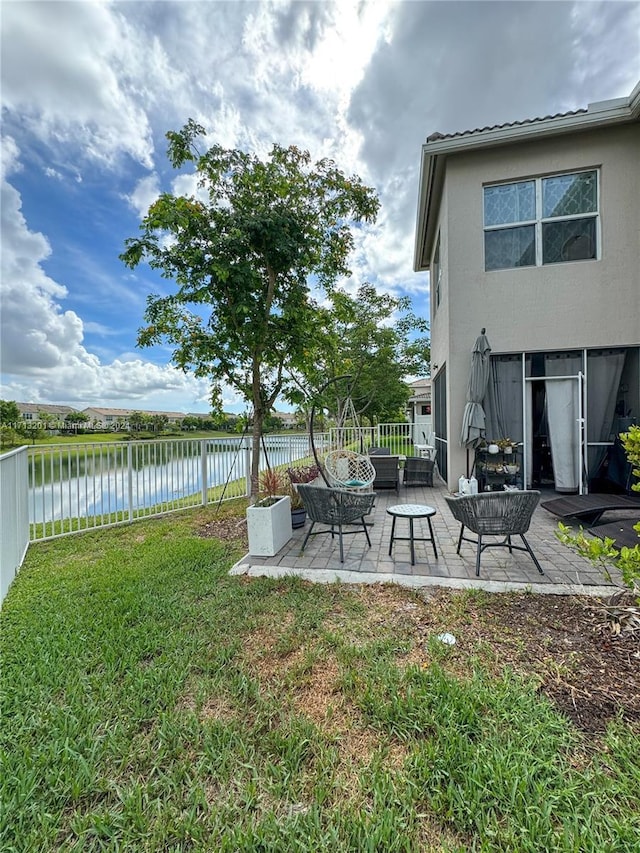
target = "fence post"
x: 204, y: 470
x: 14, y: 518
x: 130, y: 479
x: 247, y: 468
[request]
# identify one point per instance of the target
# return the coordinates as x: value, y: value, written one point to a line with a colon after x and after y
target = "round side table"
x: 412, y: 511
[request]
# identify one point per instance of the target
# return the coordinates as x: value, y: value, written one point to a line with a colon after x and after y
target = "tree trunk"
x: 256, y: 435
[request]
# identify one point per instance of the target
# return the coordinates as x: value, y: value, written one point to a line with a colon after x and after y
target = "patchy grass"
x: 151, y: 702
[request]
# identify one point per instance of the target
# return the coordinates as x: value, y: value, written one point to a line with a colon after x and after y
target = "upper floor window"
x: 541, y: 221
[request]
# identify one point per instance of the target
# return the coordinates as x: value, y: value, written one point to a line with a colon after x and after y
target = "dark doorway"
x: 541, y: 461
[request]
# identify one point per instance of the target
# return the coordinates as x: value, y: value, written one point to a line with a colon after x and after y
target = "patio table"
x: 411, y: 512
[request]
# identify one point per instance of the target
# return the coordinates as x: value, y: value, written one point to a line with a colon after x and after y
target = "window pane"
x: 509, y: 203
x: 569, y: 240
x: 510, y: 247
x: 567, y: 195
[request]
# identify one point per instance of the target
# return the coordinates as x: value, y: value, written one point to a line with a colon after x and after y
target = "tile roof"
x: 48, y: 408
x: 437, y: 137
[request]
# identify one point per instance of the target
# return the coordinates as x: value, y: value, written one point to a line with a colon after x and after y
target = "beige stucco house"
x: 33, y: 411
x: 419, y: 410
x: 532, y: 230
x: 119, y: 418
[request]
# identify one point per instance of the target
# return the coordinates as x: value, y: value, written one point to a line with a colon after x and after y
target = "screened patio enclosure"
x: 567, y: 409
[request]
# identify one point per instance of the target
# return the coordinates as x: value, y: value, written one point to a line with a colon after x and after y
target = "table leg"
x: 393, y: 527
x: 413, y: 556
x: 433, y: 539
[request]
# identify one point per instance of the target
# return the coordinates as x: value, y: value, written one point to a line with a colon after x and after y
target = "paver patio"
x: 564, y: 571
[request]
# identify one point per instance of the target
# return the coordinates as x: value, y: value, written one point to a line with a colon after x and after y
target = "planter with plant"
x: 506, y: 445
x: 269, y: 519
x: 296, y: 475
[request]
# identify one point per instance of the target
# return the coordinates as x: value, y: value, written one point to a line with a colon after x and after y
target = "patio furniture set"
x: 344, y: 504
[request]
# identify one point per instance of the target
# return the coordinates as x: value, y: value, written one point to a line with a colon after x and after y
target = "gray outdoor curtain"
x: 503, y: 400
x: 604, y: 369
x: 473, y: 418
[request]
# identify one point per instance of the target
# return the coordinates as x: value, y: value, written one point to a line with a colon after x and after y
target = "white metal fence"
x: 14, y: 515
x: 55, y: 490
x: 77, y: 487
x: 401, y: 438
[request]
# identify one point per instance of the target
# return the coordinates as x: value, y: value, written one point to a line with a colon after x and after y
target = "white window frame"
x: 541, y: 220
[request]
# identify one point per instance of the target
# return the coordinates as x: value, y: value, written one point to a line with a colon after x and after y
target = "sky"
x: 89, y: 90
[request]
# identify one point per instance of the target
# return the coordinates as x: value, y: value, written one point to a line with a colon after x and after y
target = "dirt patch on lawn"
x: 226, y: 528
x: 569, y: 645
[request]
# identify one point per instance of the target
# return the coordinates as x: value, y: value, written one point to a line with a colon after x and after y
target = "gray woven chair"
x: 387, y: 470
x: 336, y: 508
x: 504, y: 514
x: 374, y: 450
x: 418, y: 471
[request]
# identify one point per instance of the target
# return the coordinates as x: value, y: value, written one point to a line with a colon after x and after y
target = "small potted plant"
x: 269, y: 519
x: 506, y: 445
x: 300, y: 474
x: 303, y: 474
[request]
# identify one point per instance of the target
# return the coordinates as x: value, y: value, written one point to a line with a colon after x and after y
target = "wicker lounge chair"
x: 387, y: 470
x: 418, y: 471
x: 504, y: 514
x: 336, y: 508
x: 346, y: 469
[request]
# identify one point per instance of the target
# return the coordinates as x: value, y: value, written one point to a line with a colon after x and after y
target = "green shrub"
x: 603, y: 552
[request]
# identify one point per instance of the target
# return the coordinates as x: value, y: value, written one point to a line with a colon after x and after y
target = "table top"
x: 411, y: 510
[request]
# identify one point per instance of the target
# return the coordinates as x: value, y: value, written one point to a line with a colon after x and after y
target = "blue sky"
x: 90, y: 88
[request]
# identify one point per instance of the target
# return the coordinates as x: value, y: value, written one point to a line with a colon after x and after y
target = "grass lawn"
x: 150, y: 702
x: 111, y: 437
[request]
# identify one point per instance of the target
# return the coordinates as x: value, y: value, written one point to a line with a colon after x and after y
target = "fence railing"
x: 54, y: 490
x: 400, y: 437
x: 78, y: 487
x: 14, y: 515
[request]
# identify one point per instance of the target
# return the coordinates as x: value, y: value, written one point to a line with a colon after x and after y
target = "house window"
x: 546, y: 220
x: 426, y: 409
x: 436, y: 270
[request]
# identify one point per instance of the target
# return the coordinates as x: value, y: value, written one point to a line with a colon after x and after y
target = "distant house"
x: 531, y: 229
x: 419, y: 410
x: 289, y: 419
x: 32, y: 411
x: 110, y: 418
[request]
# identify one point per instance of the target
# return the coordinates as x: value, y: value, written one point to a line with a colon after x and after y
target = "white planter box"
x: 269, y: 527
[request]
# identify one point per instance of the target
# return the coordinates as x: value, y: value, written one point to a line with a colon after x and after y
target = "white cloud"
x: 146, y: 191
x: 89, y: 88
x: 63, y: 73
x: 42, y: 355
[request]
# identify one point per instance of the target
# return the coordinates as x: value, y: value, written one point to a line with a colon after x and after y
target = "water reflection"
x: 90, y: 480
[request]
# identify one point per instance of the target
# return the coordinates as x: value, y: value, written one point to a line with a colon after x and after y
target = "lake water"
x: 95, y: 480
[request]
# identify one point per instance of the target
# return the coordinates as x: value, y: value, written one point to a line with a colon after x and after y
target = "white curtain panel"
x: 562, y: 417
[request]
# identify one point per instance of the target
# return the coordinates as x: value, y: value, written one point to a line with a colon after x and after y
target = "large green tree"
x: 373, y: 337
x: 241, y: 254
x: 10, y: 413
